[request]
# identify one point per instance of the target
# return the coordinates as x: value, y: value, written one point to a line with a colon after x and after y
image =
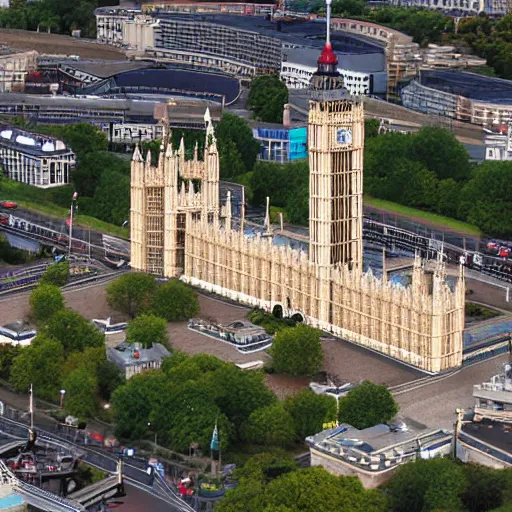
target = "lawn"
x: 420, y: 215
x: 41, y: 200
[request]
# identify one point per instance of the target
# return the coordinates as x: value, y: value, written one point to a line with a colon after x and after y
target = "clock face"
x: 344, y: 136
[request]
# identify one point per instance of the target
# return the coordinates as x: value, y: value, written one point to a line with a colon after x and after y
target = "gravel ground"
x: 58, y: 44
x: 343, y: 359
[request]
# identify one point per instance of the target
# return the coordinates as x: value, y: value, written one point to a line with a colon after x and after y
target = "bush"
x: 175, y: 301
x: 297, y: 351
x: 132, y: 293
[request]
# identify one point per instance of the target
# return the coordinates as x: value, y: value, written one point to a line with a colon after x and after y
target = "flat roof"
x: 491, y: 432
x: 104, y: 69
x: 373, y: 439
x: 469, y: 85
x: 300, y: 32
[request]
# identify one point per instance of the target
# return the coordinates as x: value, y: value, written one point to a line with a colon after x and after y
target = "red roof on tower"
x: 328, y: 56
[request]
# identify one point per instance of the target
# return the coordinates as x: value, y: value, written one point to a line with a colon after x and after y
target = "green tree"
x: 132, y: 293
x: 448, y: 196
x: 90, y: 359
x: 367, y: 405
x: 441, y: 153
x: 146, y: 330
x: 427, y: 485
x: 297, y: 351
x: 73, y: 331
x: 309, y: 412
x: 267, y: 97
x: 239, y: 393
x: 175, y: 301
x: 486, y: 200
x: 57, y: 274
x: 109, y: 378
x: 81, y: 397
x: 347, y: 8
x: 270, y: 426
x: 234, y: 128
x: 485, y: 488
x: 133, y: 402
x: 39, y: 364
x: 7, y: 355
x: 111, y: 201
x: 371, y: 128
x: 420, y: 189
x: 231, y: 162
x: 45, y: 301
x: 187, y: 414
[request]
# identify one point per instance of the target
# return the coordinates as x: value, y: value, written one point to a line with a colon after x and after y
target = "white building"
x: 498, y: 144
x: 34, y: 159
x: 462, y: 7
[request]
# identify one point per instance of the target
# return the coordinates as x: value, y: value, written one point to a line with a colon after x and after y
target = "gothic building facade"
x: 179, y: 229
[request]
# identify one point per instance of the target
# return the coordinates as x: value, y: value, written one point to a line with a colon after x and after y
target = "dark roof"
x: 168, y: 81
x: 495, y: 434
x: 469, y: 85
x: 305, y: 33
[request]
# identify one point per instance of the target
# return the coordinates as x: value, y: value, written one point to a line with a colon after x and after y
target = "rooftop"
x: 243, y: 327
x: 496, y: 434
x: 469, y: 85
x: 168, y: 82
x: 125, y: 354
x: 31, y: 142
x: 374, y: 439
x: 18, y: 326
x: 299, y: 32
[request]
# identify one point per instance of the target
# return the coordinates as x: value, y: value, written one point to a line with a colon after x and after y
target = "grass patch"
x: 478, y: 313
x: 42, y: 201
x: 269, y: 322
x: 433, y: 218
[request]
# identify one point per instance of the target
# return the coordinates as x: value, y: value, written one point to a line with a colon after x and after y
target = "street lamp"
x: 62, y: 393
x: 149, y: 427
x: 73, y: 202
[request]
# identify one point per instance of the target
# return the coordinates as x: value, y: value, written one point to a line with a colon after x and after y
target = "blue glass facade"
x: 284, y: 144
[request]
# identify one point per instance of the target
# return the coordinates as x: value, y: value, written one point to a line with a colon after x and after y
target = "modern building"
x: 460, y: 7
x: 123, y: 120
x: 14, y: 66
x: 373, y: 454
x: 281, y: 143
x: 179, y: 228
x: 486, y: 437
x: 35, y: 159
x: 245, y: 45
x: 133, y: 359
x: 467, y: 97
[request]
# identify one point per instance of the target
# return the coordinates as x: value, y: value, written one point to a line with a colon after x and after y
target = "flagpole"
x: 31, y: 408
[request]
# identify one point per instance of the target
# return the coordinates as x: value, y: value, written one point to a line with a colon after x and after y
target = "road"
x: 435, y: 404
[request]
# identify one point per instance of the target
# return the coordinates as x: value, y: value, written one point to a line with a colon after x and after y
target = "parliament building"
x: 179, y: 229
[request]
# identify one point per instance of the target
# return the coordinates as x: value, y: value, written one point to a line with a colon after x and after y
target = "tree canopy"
x: 73, y: 331
x: 310, y: 411
x: 81, y: 397
x: 39, y: 364
x: 238, y: 149
x: 297, y: 351
x: 300, y: 490
x: 270, y: 426
x: 132, y: 293
x: 367, y: 405
x: 175, y: 301
x: 45, y: 301
x: 57, y: 274
x: 267, y: 97
x: 146, y: 330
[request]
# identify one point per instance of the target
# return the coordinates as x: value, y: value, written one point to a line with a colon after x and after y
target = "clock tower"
x: 335, y: 145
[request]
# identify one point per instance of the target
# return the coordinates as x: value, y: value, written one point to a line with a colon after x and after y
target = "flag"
x: 214, y: 445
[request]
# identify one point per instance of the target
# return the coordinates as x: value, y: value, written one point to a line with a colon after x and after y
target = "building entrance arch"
x: 277, y: 311
x: 298, y: 317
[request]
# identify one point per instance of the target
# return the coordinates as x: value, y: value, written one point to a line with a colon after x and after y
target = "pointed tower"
x: 335, y: 140
x: 137, y: 209
x: 211, y: 159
